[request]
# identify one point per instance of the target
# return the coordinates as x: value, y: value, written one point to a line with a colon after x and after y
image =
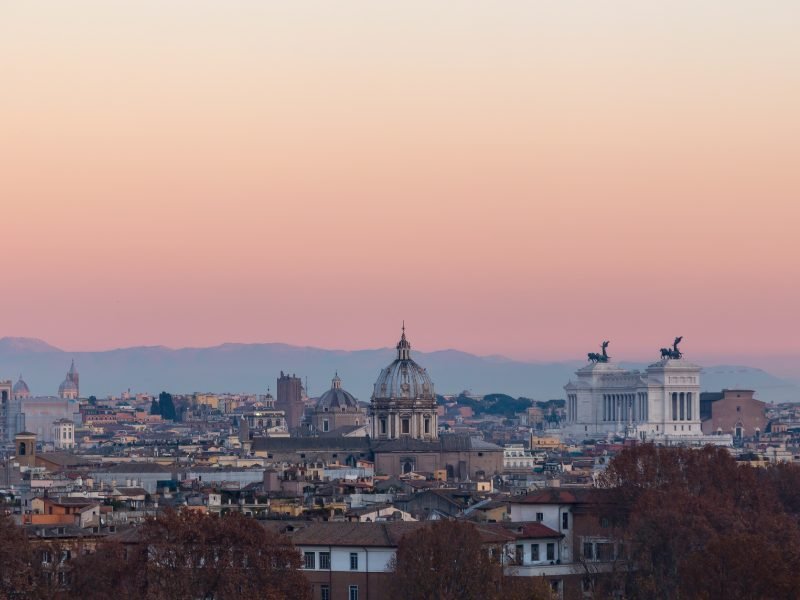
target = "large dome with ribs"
x: 403, y: 379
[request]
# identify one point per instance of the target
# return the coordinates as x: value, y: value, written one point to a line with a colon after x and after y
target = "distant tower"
x: 5, y: 411
x: 404, y: 403
x: 70, y: 387
x: 290, y: 399
x: 25, y: 443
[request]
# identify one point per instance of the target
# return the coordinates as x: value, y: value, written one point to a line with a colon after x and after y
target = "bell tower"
x: 25, y: 443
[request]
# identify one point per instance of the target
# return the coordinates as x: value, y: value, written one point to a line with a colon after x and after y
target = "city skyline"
x: 524, y: 182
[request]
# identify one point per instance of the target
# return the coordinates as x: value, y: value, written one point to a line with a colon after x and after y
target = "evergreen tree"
x: 166, y: 405
x: 155, y: 408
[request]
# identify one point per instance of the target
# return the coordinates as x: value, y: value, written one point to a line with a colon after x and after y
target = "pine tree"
x: 166, y: 405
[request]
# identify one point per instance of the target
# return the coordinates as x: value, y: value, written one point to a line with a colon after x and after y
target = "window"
x: 534, y: 552
x: 353, y: 595
x: 325, y: 425
x: 551, y: 551
x: 383, y: 426
x: 325, y: 592
x: 309, y: 559
x: 588, y: 550
x: 46, y: 557
x: 605, y: 551
x: 519, y: 554
x: 324, y: 560
x: 406, y: 426
x: 565, y: 521
x: 427, y: 425
x: 354, y: 562
x: 604, y: 522
x: 540, y: 517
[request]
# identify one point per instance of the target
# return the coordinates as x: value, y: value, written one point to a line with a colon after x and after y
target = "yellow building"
x: 207, y: 400
x: 545, y: 443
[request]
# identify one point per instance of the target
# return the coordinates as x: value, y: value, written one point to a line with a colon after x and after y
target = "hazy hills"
x: 254, y: 367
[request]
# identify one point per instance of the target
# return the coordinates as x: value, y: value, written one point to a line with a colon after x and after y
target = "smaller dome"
x: 21, y: 388
x: 336, y: 398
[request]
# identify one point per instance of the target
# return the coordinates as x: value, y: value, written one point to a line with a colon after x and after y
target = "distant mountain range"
x: 255, y: 367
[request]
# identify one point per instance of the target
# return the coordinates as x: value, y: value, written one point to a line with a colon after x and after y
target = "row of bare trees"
x: 179, y: 556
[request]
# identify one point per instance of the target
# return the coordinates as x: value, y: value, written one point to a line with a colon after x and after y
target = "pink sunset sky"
x: 522, y: 178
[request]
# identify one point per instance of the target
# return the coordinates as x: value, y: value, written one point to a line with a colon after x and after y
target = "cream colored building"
x: 63, y: 432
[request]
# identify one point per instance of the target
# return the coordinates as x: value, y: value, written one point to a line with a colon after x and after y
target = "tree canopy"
x: 695, y: 524
x: 177, y: 555
x: 447, y: 561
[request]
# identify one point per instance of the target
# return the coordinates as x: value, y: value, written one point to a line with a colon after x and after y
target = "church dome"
x: 336, y: 398
x: 21, y: 388
x: 67, y: 386
x: 403, y: 379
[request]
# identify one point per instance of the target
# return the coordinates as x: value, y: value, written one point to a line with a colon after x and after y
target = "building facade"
x: 734, y: 412
x: 661, y: 404
x: 39, y: 414
x: 63, y: 434
x: 403, y: 401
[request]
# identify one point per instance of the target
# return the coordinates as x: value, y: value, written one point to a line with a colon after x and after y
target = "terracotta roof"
x: 136, y: 468
x: 556, y: 496
x: 385, y: 535
x: 531, y: 530
x: 64, y: 459
x: 380, y: 534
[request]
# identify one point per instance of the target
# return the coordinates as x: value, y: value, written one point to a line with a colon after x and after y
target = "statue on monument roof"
x: 598, y: 357
x: 672, y: 353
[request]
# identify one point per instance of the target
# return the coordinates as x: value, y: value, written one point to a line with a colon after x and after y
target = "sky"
x: 525, y: 178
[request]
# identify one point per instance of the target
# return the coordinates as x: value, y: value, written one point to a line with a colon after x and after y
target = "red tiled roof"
x: 531, y: 530
x: 555, y: 496
x: 382, y: 535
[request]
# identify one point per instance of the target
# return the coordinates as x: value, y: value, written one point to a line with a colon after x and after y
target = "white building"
x: 661, y: 404
x: 516, y: 456
x: 63, y: 432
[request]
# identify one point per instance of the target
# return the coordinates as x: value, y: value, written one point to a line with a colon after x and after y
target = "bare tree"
x: 448, y: 561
